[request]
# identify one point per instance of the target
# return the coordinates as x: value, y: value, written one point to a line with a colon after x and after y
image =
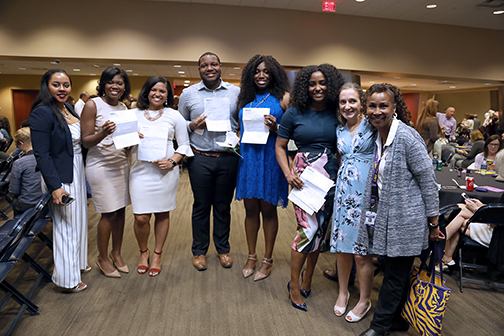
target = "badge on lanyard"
x: 370, y: 218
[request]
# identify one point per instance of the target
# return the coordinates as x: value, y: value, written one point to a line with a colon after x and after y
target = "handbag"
x: 426, y: 303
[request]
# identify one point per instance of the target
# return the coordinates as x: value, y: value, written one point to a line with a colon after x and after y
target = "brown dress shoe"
x: 226, y: 260
x: 199, y: 262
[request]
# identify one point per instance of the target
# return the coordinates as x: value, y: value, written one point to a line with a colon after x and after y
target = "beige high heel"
x: 260, y: 275
x: 123, y: 269
x: 114, y: 274
x: 249, y: 271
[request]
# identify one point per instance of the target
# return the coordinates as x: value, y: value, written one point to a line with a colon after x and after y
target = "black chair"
x: 5, y: 169
x: 489, y: 214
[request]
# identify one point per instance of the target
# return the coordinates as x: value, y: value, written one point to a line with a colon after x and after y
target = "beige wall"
x: 121, y: 29
x: 472, y: 102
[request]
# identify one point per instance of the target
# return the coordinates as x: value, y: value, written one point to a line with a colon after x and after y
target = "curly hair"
x: 5, y: 124
x: 109, y: 74
x: 279, y: 83
x: 143, y: 97
x: 395, y: 94
x: 300, y: 98
x: 356, y: 87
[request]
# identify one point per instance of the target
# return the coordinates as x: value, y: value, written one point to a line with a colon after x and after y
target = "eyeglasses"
x: 493, y: 145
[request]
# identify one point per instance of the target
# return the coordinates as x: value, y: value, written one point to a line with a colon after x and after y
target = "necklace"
x: 65, y: 112
x: 148, y: 117
x: 262, y: 101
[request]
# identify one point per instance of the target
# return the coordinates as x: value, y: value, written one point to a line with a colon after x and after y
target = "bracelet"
x: 433, y: 226
x: 172, y: 162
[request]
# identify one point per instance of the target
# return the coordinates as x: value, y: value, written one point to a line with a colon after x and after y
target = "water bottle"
x: 484, y: 167
x: 435, y: 161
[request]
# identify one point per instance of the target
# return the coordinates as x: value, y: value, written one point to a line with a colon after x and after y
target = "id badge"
x: 370, y: 218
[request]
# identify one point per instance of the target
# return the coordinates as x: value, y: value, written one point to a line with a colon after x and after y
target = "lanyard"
x: 374, y: 182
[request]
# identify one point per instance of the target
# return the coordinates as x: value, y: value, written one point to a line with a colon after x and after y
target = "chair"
x: 490, y: 214
x: 5, y: 169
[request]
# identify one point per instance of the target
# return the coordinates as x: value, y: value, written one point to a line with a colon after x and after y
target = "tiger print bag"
x: 426, y: 303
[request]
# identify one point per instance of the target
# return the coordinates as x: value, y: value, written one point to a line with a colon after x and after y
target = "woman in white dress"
x: 56, y: 140
x: 154, y: 173
x: 107, y: 168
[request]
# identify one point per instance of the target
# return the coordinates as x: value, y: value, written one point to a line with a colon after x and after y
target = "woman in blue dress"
x: 260, y: 181
x: 356, y: 143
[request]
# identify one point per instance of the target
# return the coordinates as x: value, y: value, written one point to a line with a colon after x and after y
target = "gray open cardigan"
x: 408, y: 196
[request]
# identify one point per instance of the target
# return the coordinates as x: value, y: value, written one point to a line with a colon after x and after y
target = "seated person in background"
x: 479, y: 232
x: 499, y: 165
x: 462, y: 159
x: 24, y: 180
x: 462, y: 136
x: 492, y: 146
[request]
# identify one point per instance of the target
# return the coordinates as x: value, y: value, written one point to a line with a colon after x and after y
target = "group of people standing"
x: 360, y: 141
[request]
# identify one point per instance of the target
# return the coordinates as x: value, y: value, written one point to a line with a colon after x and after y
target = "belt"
x: 211, y: 154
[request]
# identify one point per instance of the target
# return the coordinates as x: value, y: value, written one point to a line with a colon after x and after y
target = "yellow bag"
x: 426, y: 303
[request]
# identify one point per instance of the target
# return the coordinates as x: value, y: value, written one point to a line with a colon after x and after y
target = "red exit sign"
x: 328, y: 6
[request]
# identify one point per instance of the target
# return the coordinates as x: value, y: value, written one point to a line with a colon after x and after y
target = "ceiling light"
x: 54, y: 62
x: 117, y: 64
x: 22, y: 68
x: 499, y: 12
x: 371, y: 82
x: 397, y: 77
x: 129, y: 70
x: 231, y: 74
x: 76, y: 69
x: 431, y: 6
x: 182, y: 75
x: 236, y: 68
x: 186, y: 84
x: 92, y: 74
x: 135, y: 74
x: 488, y: 83
x: 452, y: 86
x: 187, y: 81
x: 96, y: 65
x: 360, y: 0
x: 413, y: 84
x: 181, y: 72
x: 177, y: 66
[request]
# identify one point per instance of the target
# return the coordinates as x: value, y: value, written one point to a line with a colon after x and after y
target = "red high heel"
x: 142, y: 269
x: 155, y: 271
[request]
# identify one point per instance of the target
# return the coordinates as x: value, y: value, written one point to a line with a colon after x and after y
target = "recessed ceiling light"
x: 129, y: 70
x: 182, y: 75
x: 54, y: 62
x: 499, y: 12
x: 181, y: 72
x: 236, y: 68
x: 371, y: 82
x: 413, y: 84
x: 431, y: 6
x: 76, y: 69
x: 397, y: 77
x: 186, y: 84
x: 187, y: 81
x: 22, y: 68
x: 488, y: 83
x: 117, y: 64
x: 452, y: 86
x: 92, y: 74
x: 135, y: 74
x: 177, y: 66
x: 231, y: 74
x: 96, y: 65
x: 360, y: 0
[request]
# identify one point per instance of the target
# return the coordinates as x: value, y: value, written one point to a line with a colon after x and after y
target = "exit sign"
x: 328, y: 6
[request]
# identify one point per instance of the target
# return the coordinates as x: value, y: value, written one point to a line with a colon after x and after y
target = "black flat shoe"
x: 371, y: 332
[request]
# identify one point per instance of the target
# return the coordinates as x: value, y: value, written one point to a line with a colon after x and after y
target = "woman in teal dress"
x: 356, y: 143
x: 260, y: 181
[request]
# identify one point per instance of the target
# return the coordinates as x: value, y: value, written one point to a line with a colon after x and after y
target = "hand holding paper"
x: 312, y: 196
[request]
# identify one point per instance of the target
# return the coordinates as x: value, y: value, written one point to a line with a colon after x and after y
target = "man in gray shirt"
x: 212, y: 170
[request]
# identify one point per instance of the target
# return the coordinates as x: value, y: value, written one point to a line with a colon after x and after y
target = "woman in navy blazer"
x: 55, y: 132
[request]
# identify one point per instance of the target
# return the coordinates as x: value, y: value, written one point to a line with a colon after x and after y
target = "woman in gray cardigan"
x: 400, y: 203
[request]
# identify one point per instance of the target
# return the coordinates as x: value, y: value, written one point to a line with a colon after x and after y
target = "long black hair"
x: 300, y: 98
x: 279, y: 84
x: 109, y: 74
x: 45, y: 98
x: 143, y: 97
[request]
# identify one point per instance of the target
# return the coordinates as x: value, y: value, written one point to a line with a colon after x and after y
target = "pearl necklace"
x: 148, y: 117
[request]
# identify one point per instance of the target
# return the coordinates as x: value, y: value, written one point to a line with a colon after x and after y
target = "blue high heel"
x: 307, y: 293
x: 295, y: 305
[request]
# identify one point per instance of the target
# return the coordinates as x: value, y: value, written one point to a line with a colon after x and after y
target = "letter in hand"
x: 108, y: 127
x: 271, y: 122
x: 198, y: 123
x: 163, y: 164
x: 295, y: 181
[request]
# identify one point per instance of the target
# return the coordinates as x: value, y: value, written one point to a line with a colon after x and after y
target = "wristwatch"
x: 172, y: 162
x: 433, y: 226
